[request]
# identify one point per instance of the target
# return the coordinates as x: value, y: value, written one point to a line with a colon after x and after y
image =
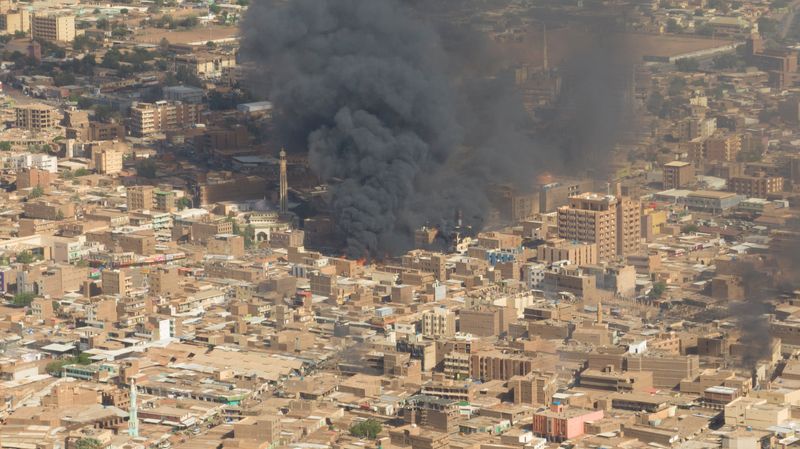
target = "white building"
x: 533, y: 275
x: 24, y: 161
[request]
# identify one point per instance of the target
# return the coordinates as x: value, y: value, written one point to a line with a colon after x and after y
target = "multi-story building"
x: 438, y: 322
x: 678, y: 174
x: 151, y: 118
x: 25, y: 161
x: 12, y: 22
x: 34, y: 177
x: 533, y: 275
x: 629, y: 226
x: 756, y: 186
x: 576, y: 252
x: 485, y: 321
x: 559, y: 423
x: 498, y: 365
x: 49, y: 210
x: 36, y: 117
x: 429, y: 262
x: 53, y: 27
x: 140, y: 197
x: 534, y: 388
x: 613, y: 224
x: 722, y: 148
x: 206, y: 65
x: 116, y: 282
x: 108, y: 161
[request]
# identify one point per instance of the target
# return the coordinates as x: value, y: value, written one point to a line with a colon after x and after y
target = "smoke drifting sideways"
x: 399, y: 120
x: 751, y: 314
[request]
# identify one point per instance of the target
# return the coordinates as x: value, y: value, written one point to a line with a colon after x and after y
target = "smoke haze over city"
x: 410, y: 121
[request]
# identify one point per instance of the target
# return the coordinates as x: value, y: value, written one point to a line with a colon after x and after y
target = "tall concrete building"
x: 723, y: 148
x: 140, y: 197
x: 438, y: 322
x: 53, y: 27
x: 12, y: 22
x: 36, y: 116
x: 108, y: 161
x: 151, y: 118
x: 116, y: 282
x: 678, y: 174
x: 613, y: 223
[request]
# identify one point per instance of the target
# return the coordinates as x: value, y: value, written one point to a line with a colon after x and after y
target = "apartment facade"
x: 151, y: 118
x: 612, y: 223
x: 756, y: 186
x: 53, y: 27
x: 36, y: 117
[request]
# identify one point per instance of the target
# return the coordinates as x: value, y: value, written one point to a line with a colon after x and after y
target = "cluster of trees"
x: 23, y: 299
x: 169, y: 22
x: 26, y: 257
x: 55, y: 367
x: 146, y: 168
x: 366, y: 429
x: 136, y: 61
x: 248, y: 233
x: 70, y: 174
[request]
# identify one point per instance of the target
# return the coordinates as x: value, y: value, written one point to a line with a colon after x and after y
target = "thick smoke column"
x: 407, y: 120
x: 360, y: 84
x: 750, y: 314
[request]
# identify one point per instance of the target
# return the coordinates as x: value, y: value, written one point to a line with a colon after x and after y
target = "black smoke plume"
x: 406, y: 120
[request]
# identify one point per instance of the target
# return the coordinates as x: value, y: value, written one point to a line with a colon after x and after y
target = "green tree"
x: 688, y: 229
x: 146, y: 168
x: 726, y: 61
x: 366, y: 429
x: 704, y: 30
x: 5, y: 146
x: 687, y: 65
x: 36, y: 192
x: 655, y: 102
x: 183, y: 203
x: 26, y: 257
x: 23, y: 299
x: 673, y: 26
x: 658, y: 289
x: 54, y: 368
x: 676, y: 86
x: 88, y: 443
x: 767, y: 25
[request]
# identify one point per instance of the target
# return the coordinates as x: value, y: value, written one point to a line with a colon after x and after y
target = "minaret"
x: 284, y: 187
x: 133, y: 414
x: 546, y: 63
x: 599, y: 312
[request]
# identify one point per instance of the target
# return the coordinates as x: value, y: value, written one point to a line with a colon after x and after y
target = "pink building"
x: 560, y: 423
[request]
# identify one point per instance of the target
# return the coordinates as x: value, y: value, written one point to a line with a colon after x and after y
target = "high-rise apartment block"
x: 36, y: 116
x: 722, y: 147
x: 678, y: 174
x: 140, y: 197
x: 151, y: 118
x: 12, y: 22
x: 53, y: 27
x: 108, y: 161
x: 116, y: 282
x: 438, y: 322
x: 756, y: 186
x: 612, y: 223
